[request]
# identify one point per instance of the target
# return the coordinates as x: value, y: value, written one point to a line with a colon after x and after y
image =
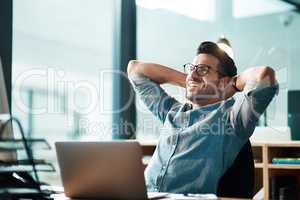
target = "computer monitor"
x: 4, y: 112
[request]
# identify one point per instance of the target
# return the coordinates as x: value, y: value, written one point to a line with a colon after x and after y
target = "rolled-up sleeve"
x: 248, y: 107
x: 153, y: 96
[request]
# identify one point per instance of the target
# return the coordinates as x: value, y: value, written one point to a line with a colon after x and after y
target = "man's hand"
x: 156, y: 72
x: 264, y: 76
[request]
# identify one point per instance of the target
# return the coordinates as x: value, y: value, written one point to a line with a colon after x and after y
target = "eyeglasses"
x: 201, y: 69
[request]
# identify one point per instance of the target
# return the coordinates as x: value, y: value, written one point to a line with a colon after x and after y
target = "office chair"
x: 238, y: 180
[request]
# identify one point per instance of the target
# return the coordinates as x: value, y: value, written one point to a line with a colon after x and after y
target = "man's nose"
x: 194, y: 74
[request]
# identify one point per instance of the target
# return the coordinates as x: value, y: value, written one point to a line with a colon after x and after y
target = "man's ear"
x: 224, y: 81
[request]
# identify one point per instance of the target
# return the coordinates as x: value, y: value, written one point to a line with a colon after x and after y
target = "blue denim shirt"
x: 197, y: 145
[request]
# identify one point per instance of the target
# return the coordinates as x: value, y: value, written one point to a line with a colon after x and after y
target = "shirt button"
x: 163, y: 167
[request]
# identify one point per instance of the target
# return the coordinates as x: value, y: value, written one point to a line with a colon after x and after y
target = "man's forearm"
x: 156, y: 72
x: 264, y: 76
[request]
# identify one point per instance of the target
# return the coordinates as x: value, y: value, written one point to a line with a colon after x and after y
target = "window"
x: 62, y: 55
x: 263, y: 33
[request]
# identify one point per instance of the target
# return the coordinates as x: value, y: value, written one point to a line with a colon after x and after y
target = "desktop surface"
x: 63, y: 197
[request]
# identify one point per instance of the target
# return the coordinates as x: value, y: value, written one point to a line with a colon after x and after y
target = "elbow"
x: 132, y: 66
x: 267, y: 75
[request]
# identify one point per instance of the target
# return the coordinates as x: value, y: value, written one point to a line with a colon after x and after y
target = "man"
x: 201, y: 138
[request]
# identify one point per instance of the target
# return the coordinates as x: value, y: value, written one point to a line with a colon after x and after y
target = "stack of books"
x: 289, y: 161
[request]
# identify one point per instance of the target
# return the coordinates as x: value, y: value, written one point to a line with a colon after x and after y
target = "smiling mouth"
x: 195, y: 84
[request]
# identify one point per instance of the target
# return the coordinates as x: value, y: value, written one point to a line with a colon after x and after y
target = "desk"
x: 62, y: 197
x: 263, y: 153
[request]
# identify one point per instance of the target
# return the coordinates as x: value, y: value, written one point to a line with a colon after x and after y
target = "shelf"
x: 23, y: 162
x: 27, y: 168
x: 17, y: 144
x: 18, y: 190
x: 283, y: 166
x: 23, y: 193
x: 23, y: 187
x: 276, y: 144
x: 259, y: 165
x: 24, y: 165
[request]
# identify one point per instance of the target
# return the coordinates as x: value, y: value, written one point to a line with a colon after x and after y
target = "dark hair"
x: 227, y: 66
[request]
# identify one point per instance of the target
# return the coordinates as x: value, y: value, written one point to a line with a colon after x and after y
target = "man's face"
x: 203, y: 89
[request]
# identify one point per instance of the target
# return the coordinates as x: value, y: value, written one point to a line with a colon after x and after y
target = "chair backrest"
x: 238, y: 180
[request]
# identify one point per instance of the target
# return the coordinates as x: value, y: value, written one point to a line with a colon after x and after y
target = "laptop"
x: 102, y: 170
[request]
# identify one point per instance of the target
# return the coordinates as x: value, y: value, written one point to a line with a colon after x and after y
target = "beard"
x: 202, y: 93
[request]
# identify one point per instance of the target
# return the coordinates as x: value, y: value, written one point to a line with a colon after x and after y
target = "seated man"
x: 201, y: 139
